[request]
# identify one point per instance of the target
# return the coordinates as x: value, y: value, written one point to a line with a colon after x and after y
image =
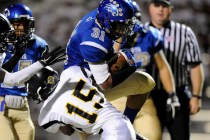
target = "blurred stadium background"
x: 55, y: 20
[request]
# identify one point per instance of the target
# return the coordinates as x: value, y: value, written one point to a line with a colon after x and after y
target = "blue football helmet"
x: 116, y: 17
x: 131, y: 40
x: 6, y: 32
x: 137, y: 10
x: 20, y: 16
x: 42, y: 84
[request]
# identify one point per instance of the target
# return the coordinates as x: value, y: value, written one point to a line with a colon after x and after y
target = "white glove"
x: 172, y: 106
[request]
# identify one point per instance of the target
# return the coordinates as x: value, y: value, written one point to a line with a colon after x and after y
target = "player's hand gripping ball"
x: 121, y: 60
x: 119, y: 64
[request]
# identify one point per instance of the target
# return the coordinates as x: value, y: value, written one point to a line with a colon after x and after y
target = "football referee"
x: 183, y: 54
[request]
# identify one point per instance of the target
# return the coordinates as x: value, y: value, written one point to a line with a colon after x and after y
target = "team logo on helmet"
x: 117, y: 12
x: 7, y: 12
x: 110, y: 9
x: 50, y: 80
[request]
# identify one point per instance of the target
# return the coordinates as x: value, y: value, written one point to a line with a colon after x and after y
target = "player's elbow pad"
x: 120, y: 76
x: 12, y: 79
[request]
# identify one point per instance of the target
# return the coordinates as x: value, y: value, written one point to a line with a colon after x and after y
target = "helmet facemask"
x: 122, y: 29
x: 6, y: 33
x: 24, y: 27
x: 4, y: 39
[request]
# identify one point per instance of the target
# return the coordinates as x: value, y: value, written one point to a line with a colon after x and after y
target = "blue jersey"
x: 148, y: 43
x: 88, y: 42
x: 32, y: 53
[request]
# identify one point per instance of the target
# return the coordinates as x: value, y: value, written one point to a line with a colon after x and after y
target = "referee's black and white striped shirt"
x: 181, y: 49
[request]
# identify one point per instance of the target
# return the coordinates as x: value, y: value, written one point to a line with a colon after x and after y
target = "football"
x: 119, y: 64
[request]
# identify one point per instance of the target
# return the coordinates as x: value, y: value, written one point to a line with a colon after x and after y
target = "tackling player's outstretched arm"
x: 56, y: 55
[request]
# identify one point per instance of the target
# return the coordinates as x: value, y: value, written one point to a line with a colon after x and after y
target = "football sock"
x: 131, y: 113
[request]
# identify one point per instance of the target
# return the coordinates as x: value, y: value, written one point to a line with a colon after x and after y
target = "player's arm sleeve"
x: 100, y: 72
x: 120, y: 76
x: 11, y: 63
x: 23, y: 75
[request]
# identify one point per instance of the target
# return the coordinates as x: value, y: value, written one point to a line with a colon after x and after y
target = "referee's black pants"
x: 179, y: 128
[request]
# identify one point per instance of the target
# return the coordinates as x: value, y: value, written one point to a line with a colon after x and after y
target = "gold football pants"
x: 137, y: 83
x: 146, y: 122
x: 16, y: 124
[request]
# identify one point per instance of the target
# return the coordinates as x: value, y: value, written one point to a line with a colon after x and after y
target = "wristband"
x: 197, y: 96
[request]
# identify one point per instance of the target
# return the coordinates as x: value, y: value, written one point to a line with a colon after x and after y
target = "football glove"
x: 172, y: 106
x: 56, y: 55
x: 20, y: 47
x: 128, y: 56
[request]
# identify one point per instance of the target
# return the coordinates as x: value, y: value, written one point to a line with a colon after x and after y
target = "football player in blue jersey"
x: 91, y: 45
x: 15, y: 120
x: 146, y: 45
x: 49, y: 58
